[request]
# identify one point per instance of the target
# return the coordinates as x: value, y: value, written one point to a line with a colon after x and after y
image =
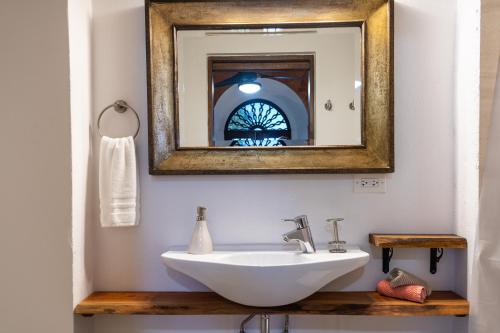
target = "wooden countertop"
x: 367, y: 303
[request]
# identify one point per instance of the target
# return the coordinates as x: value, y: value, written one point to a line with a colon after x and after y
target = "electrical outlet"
x: 369, y: 184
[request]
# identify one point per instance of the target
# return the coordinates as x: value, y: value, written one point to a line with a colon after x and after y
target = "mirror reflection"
x: 277, y: 87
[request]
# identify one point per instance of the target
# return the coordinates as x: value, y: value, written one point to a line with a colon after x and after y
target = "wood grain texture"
x: 255, y: 161
x: 376, y: 19
x: 441, y: 303
x: 418, y: 241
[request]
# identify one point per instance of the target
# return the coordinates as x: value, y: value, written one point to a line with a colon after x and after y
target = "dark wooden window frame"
x: 263, y: 62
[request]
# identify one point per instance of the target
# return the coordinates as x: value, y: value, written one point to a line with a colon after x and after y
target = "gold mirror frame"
x: 376, y: 155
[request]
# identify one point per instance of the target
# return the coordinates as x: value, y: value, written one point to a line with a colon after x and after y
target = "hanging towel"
x: 118, y: 187
x: 398, y: 277
x: 412, y: 292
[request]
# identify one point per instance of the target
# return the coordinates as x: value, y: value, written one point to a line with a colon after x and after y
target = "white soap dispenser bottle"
x: 201, y: 242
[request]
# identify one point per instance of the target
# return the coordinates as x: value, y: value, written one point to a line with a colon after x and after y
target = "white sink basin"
x: 265, y: 278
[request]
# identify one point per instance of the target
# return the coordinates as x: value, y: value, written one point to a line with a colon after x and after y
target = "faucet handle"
x: 335, y: 219
x: 336, y: 245
x: 300, y: 221
x: 335, y: 226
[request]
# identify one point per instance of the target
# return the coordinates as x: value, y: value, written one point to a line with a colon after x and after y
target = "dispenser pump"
x: 201, y: 214
x: 201, y: 242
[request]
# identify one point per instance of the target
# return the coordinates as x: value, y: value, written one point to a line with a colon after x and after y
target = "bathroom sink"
x: 265, y: 277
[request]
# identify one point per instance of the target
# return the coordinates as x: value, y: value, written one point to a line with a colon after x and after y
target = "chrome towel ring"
x: 119, y: 106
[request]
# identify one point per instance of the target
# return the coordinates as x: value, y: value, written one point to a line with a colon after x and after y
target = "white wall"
x: 337, y: 60
x: 467, y: 108
x: 79, y: 21
x: 420, y: 195
x: 35, y: 177
x: 467, y: 131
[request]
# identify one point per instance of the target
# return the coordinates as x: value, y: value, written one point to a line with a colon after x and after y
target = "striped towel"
x: 398, y: 278
x: 412, y: 292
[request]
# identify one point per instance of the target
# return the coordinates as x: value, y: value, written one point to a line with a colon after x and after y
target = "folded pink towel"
x: 411, y: 292
x: 398, y: 277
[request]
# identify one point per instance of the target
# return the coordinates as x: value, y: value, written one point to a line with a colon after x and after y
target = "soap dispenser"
x: 201, y: 242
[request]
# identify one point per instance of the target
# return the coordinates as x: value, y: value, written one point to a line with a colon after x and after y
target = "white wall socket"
x: 369, y: 184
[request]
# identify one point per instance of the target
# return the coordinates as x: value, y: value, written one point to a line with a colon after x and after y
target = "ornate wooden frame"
x: 375, y: 17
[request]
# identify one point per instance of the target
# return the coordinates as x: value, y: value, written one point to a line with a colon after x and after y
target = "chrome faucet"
x: 302, y: 234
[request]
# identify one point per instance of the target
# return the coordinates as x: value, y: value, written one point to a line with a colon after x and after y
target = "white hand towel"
x: 118, y: 182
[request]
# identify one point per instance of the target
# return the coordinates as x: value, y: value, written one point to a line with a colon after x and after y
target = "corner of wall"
x: 467, y: 119
x: 79, y: 26
x: 466, y: 106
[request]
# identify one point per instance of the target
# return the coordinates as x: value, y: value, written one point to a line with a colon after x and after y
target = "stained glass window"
x: 257, y: 122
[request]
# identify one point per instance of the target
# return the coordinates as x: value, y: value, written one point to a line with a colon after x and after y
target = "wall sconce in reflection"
x: 351, y: 106
x: 328, y: 105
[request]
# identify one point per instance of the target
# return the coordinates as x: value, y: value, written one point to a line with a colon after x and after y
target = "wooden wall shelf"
x: 440, y: 303
x: 418, y: 241
x: 435, y: 242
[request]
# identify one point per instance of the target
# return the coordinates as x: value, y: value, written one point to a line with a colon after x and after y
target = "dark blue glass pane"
x: 257, y: 122
x: 268, y: 142
x: 257, y: 116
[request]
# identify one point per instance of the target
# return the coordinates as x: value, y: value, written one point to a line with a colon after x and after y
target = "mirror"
x: 254, y: 87
x: 270, y: 87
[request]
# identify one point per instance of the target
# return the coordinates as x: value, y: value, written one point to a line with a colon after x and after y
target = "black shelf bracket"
x: 436, y: 255
x: 386, y: 258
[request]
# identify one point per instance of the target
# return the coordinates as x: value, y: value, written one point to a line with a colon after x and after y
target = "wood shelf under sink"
x: 366, y: 303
